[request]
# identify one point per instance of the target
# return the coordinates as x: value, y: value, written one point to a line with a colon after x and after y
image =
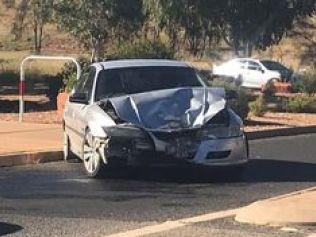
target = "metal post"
x: 21, y: 94
x: 22, y: 76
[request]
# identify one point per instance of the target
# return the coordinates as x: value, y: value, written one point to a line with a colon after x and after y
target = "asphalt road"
x: 56, y: 199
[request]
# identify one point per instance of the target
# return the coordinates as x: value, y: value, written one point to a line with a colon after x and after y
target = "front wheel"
x: 92, y: 160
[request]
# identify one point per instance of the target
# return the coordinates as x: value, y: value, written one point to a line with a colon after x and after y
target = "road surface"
x: 56, y: 199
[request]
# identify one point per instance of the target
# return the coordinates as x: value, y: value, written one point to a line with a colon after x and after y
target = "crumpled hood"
x: 170, y: 109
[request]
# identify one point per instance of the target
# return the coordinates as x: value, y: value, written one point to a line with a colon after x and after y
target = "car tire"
x: 67, y: 153
x: 268, y: 85
x: 93, y: 164
x: 272, y: 81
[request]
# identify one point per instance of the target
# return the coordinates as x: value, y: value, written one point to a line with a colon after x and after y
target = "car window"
x: 85, y: 82
x: 275, y: 66
x: 123, y: 81
x: 254, y: 66
x: 241, y: 63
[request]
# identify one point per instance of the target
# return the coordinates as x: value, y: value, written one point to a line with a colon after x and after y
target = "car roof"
x: 139, y: 63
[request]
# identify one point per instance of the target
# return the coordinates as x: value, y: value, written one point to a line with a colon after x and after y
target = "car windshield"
x: 123, y: 81
x: 275, y: 66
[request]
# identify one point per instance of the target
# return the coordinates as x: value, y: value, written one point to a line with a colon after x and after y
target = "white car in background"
x: 247, y: 72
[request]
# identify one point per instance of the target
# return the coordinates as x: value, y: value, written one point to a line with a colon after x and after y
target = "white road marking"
x: 169, y: 225
x: 85, y: 181
x: 289, y: 229
x: 291, y: 194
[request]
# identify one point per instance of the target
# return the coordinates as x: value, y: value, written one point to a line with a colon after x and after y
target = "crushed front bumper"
x: 222, y: 152
x: 210, y: 152
x: 186, y: 146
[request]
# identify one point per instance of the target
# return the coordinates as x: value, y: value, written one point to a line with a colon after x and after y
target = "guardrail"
x: 22, y: 76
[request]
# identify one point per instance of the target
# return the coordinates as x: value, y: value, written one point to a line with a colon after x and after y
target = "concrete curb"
x: 30, y: 158
x: 281, y: 132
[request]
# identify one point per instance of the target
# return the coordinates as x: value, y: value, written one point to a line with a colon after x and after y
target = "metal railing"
x: 22, y: 76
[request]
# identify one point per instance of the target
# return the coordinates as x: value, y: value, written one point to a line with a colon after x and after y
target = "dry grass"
x: 10, y: 61
x: 55, y: 43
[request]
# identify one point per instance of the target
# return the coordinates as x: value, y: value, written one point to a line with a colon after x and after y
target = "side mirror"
x: 231, y: 95
x: 262, y: 70
x: 79, y: 97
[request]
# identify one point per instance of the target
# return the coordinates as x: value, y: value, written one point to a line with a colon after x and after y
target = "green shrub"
x: 241, y: 105
x: 301, y: 104
x: 224, y: 83
x: 54, y: 85
x: 69, y: 82
x: 258, y: 107
x: 269, y: 90
x: 307, y: 82
x: 69, y: 73
x: 143, y: 49
x: 9, y: 76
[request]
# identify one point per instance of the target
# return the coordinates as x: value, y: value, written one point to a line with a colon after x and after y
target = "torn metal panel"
x: 172, y: 109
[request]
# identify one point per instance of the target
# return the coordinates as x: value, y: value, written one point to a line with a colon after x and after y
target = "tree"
x: 153, y: 14
x: 194, y: 23
x: 305, y: 31
x: 127, y: 19
x: 261, y: 23
x: 41, y: 13
x: 96, y: 22
x: 18, y: 24
x: 36, y: 13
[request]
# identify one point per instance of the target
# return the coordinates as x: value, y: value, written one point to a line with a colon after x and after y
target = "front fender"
x: 96, y: 130
x: 97, y: 120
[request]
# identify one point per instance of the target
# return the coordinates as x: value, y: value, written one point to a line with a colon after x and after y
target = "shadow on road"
x: 256, y: 171
x: 12, y: 106
x: 6, y: 228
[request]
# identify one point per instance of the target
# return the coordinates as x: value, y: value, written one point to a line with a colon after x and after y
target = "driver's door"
x: 254, y: 75
x: 84, y: 86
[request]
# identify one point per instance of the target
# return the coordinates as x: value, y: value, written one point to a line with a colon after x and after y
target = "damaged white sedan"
x: 130, y: 111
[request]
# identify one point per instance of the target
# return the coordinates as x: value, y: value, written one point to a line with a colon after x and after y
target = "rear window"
x: 274, y: 66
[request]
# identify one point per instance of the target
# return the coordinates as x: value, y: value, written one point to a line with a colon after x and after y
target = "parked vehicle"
x: 131, y: 110
x: 253, y: 73
x: 287, y: 75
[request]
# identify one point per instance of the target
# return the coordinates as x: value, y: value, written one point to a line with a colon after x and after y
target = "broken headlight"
x: 109, y: 109
x: 125, y: 131
x: 129, y: 136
